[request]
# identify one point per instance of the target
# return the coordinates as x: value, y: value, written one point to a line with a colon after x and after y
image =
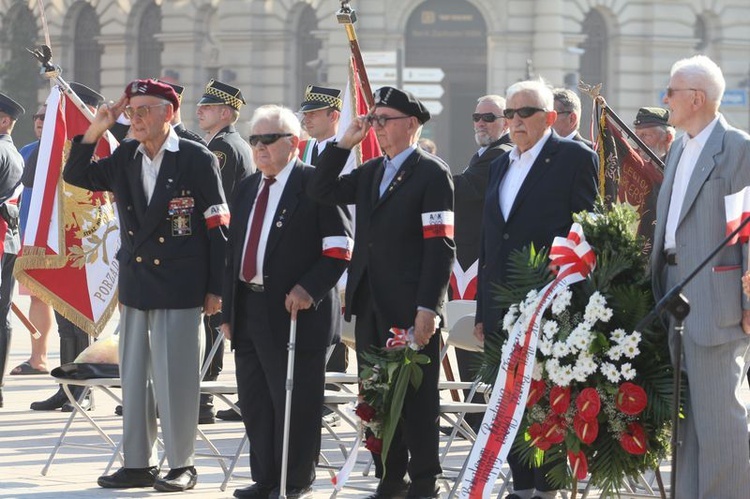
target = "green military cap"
x: 651, y: 116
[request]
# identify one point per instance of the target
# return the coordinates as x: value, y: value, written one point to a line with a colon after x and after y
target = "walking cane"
x: 288, y: 404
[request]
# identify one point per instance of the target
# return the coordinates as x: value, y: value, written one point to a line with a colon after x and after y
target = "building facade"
x: 272, y: 49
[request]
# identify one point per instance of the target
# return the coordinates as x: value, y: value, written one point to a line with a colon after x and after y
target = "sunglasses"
x: 266, y: 138
x: 671, y: 91
x: 382, y: 120
x: 38, y: 117
x: 140, y: 112
x: 486, y: 117
x: 523, y: 112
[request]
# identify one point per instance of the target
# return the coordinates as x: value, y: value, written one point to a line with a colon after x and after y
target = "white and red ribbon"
x: 508, y: 401
x: 464, y: 283
x: 437, y: 224
x: 217, y: 215
x: 737, y: 207
x: 339, y: 247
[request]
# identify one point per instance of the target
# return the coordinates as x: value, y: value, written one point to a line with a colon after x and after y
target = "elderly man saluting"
x: 173, y: 219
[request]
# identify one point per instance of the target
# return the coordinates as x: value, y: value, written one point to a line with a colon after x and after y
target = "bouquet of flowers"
x: 601, y: 392
x: 384, y: 380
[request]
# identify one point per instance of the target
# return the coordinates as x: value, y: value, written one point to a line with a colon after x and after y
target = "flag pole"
x: 348, y: 17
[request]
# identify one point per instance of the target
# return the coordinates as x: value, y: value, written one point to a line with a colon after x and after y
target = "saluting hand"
x: 105, y: 117
x: 355, y: 133
x: 425, y: 324
x: 297, y: 299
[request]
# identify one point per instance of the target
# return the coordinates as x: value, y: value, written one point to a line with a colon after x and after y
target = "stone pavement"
x: 27, y: 438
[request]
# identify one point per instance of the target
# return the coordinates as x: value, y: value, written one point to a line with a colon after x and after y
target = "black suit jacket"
x: 171, y: 253
x: 235, y: 158
x: 579, y: 138
x: 294, y: 255
x: 184, y: 133
x: 470, y: 188
x: 406, y: 269
x: 562, y: 181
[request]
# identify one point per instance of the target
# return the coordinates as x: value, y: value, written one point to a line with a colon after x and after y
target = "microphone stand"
x: 677, y: 305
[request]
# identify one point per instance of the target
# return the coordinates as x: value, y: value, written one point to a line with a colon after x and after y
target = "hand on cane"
x: 297, y: 299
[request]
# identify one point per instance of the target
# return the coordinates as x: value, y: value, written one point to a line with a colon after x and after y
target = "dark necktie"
x: 314, y: 156
x: 251, y: 251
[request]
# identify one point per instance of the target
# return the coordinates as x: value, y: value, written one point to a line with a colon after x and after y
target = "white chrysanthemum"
x: 586, y: 364
x: 561, y: 301
x: 530, y: 302
x: 545, y: 346
x: 510, y: 318
x: 610, y: 372
x: 618, y: 335
x: 596, y: 309
x: 580, y: 338
x: 560, y: 349
x: 615, y: 352
x: 552, y: 367
x: 582, y: 341
x: 627, y: 371
x: 630, y: 351
x: 538, y: 371
x: 633, y: 339
x: 550, y: 329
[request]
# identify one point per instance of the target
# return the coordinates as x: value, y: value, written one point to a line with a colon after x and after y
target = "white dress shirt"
x: 518, y: 169
x: 150, y: 167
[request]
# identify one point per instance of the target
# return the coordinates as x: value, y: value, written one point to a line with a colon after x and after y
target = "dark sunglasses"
x: 486, y: 117
x: 671, y: 91
x: 266, y: 138
x: 382, y: 120
x: 38, y: 117
x: 523, y: 112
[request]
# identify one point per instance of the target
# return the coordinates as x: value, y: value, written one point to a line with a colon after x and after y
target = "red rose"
x: 631, y: 399
x: 536, y: 392
x: 559, y: 399
x: 633, y: 440
x: 589, y: 404
x: 586, y: 431
x: 374, y: 444
x: 578, y: 464
x: 536, y: 432
x: 554, y: 429
x: 365, y: 412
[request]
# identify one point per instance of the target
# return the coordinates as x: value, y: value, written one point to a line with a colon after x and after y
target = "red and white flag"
x: 68, y: 252
x: 737, y: 207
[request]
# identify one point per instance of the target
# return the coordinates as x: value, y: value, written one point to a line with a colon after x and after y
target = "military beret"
x: 87, y: 95
x: 403, y: 101
x: 651, y: 116
x: 153, y: 88
x: 217, y: 93
x: 321, y: 98
x: 11, y: 107
x: 177, y: 88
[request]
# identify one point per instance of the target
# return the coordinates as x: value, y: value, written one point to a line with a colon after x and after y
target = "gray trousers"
x: 160, y: 354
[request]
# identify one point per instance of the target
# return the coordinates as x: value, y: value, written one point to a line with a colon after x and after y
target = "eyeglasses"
x: 523, y: 112
x: 266, y: 138
x: 486, y: 117
x: 38, y: 117
x: 141, y: 112
x: 382, y: 120
x: 671, y: 91
x: 560, y: 113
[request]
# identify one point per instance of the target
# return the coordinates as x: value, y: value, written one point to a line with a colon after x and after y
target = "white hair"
x: 541, y: 90
x: 702, y: 73
x: 498, y: 100
x: 282, y: 116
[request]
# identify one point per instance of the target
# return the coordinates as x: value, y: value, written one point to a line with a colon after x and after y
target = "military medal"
x: 180, y: 210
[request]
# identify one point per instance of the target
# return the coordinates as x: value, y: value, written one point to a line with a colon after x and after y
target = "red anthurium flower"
x: 536, y: 392
x: 631, y: 399
x: 554, y: 429
x: 586, y: 431
x: 589, y: 404
x: 536, y: 432
x: 365, y: 412
x: 374, y: 444
x: 559, y: 399
x: 633, y: 440
x: 578, y: 464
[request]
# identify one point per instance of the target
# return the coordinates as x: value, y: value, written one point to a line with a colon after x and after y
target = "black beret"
x: 11, y: 107
x: 403, y: 101
x: 220, y: 93
x: 321, y: 98
x: 87, y: 95
x: 154, y: 88
x: 651, y: 116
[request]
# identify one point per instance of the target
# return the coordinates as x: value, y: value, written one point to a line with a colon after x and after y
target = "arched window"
x: 149, y: 47
x: 310, y: 68
x: 87, y: 52
x: 595, y: 58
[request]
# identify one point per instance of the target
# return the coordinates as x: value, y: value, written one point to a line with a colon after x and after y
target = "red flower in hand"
x: 559, y: 399
x: 536, y: 432
x: 586, y: 431
x: 631, y: 399
x: 589, y: 404
x: 365, y: 412
x: 633, y: 440
x: 578, y: 464
x: 536, y: 392
x: 374, y: 444
x: 554, y: 429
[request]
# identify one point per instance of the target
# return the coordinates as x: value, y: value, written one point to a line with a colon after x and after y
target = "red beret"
x: 154, y: 88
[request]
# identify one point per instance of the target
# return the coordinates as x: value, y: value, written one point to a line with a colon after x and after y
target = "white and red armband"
x: 216, y: 216
x: 339, y: 247
x: 437, y: 224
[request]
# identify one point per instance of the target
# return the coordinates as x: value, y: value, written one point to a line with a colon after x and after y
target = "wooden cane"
x: 25, y: 321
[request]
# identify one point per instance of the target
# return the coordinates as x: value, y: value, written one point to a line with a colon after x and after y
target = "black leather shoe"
x: 390, y: 490
x: 127, y: 478
x: 1, y: 397
x: 87, y: 405
x: 177, y: 480
x: 434, y: 494
x: 292, y: 493
x: 56, y: 401
x: 206, y: 415
x: 254, y: 491
x: 228, y: 415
